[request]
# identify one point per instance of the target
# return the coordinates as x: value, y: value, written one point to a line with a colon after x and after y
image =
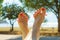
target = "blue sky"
x: 52, y: 20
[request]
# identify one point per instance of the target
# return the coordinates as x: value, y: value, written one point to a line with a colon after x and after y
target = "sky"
x: 51, y: 18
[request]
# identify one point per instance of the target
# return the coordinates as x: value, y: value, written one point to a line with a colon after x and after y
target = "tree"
x: 58, y: 12
x: 50, y: 5
x: 1, y: 1
x: 11, y: 13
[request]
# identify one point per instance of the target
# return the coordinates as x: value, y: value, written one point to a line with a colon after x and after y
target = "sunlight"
x: 51, y: 18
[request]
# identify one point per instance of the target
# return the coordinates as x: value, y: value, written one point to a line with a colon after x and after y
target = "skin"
x: 39, y: 17
x: 23, y: 19
x: 23, y: 23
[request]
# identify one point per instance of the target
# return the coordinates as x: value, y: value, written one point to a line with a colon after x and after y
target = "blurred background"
x: 9, y: 10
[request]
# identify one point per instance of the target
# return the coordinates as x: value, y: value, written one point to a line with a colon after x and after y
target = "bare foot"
x: 40, y: 14
x: 23, y: 23
x: 39, y: 17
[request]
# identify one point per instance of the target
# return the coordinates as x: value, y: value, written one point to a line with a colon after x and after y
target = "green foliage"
x: 52, y: 5
x: 37, y: 3
x: 0, y: 9
x: 11, y: 11
x: 1, y: 1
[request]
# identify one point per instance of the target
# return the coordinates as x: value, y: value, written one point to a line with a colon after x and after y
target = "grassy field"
x: 8, y: 28
x: 47, y: 31
x: 41, y: 29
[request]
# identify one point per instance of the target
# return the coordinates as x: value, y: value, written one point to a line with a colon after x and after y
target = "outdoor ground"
x: 45, y: 33
x: 18, y: 37
x: 9, y: 37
